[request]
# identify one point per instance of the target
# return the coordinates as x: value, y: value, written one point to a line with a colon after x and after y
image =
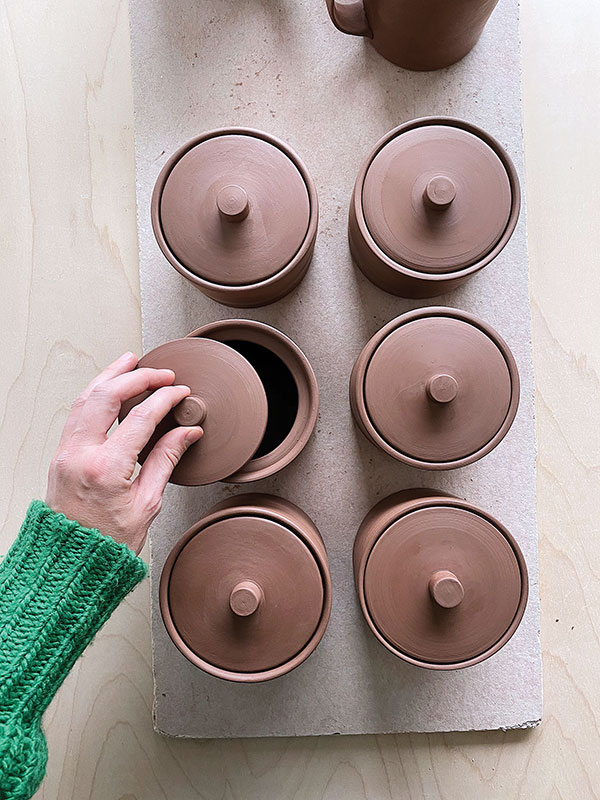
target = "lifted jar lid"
x: 442, y: 584
x: 227, y: 400
x: 290, y: 385
x: 233, y: 207
x: 436, y: 388
x: 246, y: 594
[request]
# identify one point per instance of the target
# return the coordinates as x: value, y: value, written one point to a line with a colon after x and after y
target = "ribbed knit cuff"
x: 59, y: 583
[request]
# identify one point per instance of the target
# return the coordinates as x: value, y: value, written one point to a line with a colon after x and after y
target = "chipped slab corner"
x: 532, y: 723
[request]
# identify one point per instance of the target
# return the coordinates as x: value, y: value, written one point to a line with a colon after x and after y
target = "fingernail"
x: 193, y: 435
x: 128, y: 356
x: 182, y: 386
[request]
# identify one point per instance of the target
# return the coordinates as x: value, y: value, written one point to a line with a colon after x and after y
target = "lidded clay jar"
x: 246, y: 593
x: 235, y: 211
x: 441, y: 583
x: 291, y: 390
x: 435, y: 201
x: 436, y: 388
x: 253, y: 392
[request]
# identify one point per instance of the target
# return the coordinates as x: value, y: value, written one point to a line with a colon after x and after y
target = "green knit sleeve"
x: 59, y: 583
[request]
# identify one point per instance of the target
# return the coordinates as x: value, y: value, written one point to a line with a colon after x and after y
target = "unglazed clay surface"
x: 228, y: 401
x: 436, y: 388
x: 235, y: 211
x: 246, y: 592
x: 287, y: 361
x: 415, y: 34
x: 441, y: 583
x: 436, y: 198
x: 211, y: 587
x: 319, y: 85
x: 433, y: 203
x: 254, y: 394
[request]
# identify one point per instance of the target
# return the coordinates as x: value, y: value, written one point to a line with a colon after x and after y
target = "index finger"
x: 121, y: 365
x: 102, y: 406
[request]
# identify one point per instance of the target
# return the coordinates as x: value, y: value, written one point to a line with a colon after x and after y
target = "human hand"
x: 90, y: 479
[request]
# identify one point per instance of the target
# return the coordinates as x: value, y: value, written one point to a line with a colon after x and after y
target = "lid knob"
x: 233, y: 203
x: 442, y: 388
x: 191, y: 411
x: 439, y: 192
x: 245, y: 598
x: 446, y: 589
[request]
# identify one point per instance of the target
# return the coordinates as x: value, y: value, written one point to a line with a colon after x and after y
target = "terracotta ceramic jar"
x: 435, y: 201
x: 436, y: 388
x: 415, y: 34
x: 235, y: 211
x: 441, y: 583
x: 253, y: 392
x: 291, y: 390
x: 246, y: 593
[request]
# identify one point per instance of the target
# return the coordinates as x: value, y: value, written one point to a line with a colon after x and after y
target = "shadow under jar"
x: 436, y: 388
x: 253, y: 392
x: 435, y: 201
x: 441, y: 583
x: 246, y: 593
x: 235, y: 211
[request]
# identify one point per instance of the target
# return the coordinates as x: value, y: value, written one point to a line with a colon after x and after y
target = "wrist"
x: 60, y: 583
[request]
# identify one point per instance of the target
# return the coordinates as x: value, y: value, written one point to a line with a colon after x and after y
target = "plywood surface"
x: 286, y: 70
x: 69, y: 266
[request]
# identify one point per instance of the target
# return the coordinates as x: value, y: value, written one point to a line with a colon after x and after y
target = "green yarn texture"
x: 59, y: 583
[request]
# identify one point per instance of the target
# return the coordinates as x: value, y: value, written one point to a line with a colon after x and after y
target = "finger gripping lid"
x: 227, y: 400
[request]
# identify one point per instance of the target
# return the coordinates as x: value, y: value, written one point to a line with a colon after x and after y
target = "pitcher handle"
x: 350, y: 17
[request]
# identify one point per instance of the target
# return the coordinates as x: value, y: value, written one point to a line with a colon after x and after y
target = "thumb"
x: 162, y: 460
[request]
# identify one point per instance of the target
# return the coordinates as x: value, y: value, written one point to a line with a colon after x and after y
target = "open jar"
x: 246, y: 593
x: 254, y: 393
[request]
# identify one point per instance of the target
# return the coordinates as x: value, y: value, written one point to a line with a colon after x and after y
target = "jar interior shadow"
x: 280, y: 388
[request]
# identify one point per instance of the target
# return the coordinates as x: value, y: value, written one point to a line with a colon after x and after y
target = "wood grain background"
x: 70, y: 303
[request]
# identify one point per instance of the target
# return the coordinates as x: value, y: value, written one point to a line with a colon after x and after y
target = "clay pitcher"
x: 415, y: 34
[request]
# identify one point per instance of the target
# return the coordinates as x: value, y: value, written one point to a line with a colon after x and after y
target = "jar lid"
x: 234, y: 208
x: 437, y: 196
x: 444, y: 585
x: 227, y: 400
x: 245, y: 594
x: 440, y: 387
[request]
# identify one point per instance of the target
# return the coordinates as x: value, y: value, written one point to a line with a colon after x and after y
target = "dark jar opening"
x: 280, y: 388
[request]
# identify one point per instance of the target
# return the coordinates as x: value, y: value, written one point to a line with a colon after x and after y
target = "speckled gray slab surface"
x: 280, y: 65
